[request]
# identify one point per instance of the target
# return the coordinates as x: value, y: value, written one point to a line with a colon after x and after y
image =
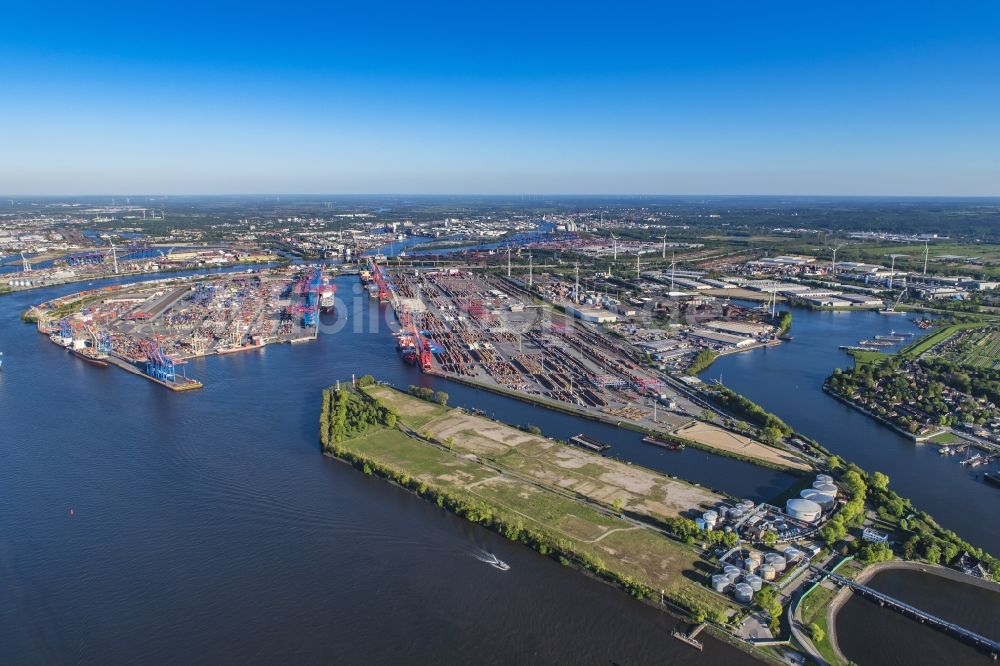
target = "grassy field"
x: 557, y: 490
x: 867, y: 357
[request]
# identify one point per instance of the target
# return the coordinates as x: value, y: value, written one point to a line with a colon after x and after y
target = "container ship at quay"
x: 326, y: 297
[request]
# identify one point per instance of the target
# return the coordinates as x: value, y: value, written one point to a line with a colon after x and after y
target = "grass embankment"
x: 563, y: 502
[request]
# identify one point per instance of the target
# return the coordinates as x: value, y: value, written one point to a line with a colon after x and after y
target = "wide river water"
x: 138, y: 525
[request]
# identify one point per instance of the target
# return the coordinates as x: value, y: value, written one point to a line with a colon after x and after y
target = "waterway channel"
x: 139, y: 525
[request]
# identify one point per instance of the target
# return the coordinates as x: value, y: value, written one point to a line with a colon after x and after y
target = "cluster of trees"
x: 733, y: 402
x: 687, y: 530
x: 767, y: 601
x: 872, y: 553
x: 852, y: 514
x: 347, y: 413
x: 430, y: 395
x: 701, y: 360
x: 784, y: 322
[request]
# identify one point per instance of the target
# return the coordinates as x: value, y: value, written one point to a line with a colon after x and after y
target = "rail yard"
x: 154, y: 328
x: 490, y: 330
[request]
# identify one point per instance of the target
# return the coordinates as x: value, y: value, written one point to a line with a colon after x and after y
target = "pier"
x: 977, y: 640
x: 690, y: 637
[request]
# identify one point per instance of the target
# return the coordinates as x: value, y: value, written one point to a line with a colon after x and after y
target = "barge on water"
x: 589, y: 443
x: 663, y: 443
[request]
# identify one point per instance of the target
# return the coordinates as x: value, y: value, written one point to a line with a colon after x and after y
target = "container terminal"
x: 487, y: 329
x: 152, y: 329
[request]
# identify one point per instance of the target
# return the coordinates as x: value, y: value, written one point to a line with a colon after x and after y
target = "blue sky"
x: 376, y: 97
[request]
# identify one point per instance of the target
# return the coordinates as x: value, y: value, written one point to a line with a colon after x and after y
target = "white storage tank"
x: 826, y: 488
x: 824, y: 478
x: 767, y: 572
x: 777, y: 561
x: 826, y: 502
x: 719, y: 583
x: 793, y: 554
x: 711, y: 517
x: 743, y: 593
x: 803, y: 509
x: 731, y: 572
x: 808, y: 493
x: 755, y: 582
x: 750, y: 566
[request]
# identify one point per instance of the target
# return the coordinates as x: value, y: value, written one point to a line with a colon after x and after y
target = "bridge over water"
x: 924, y: 617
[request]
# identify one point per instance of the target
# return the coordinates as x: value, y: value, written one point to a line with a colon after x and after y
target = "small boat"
x: 496, y: 562
x: 904, y: 335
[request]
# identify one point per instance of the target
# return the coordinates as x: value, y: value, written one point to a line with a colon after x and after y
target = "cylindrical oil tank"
x: 750, y: 566
x: 755, y: 582
x: 807, y: 493
x: 700, y: 522
x: 824, y: 478
x: 803, y: 509
x: 767, y: 572
x: 710, y: 517
x: 743, y: 593
x: 723, y: 512
x: 731, y: 572
x: 777, y: 561
x: 720, y: 582
x: 746, y: 505
x: 826, y: 502
x: 793, y: 554
x: 826, y: 488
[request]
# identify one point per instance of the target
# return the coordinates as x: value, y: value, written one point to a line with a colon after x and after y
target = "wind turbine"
x: 114, y: 257
x: 927, y: 250
x: 833, y: 268
x: 614, y: 240
x: 664, y: 253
